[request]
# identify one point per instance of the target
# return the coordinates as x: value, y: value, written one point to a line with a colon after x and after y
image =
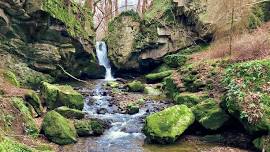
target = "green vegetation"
x: 88, y: 127
x: 133, y: 109
x: 262, y: 143
x: 189, y: 99
x: 30, y: 125
x: 58, y: 129
x: 157, y: 77
x: 166, y: 126
x: 9, y: 145
x: 136, y: 86
x: 11, y: 78
x: 247, y: 97
x: 61, y: 95
x: 175, y: 60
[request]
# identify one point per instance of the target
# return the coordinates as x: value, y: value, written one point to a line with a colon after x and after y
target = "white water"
x: 102, y: 55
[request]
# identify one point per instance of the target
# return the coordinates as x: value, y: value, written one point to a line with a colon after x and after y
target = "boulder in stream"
x: 166, y: 126
x: 61, y: 95
x: 89, y: 128
x: 58, y: 129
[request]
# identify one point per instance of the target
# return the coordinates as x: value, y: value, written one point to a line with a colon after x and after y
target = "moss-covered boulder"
x: 262, y: 143
x: 33, y: 99
x: 166, y: 126
x: 70, y: 113
x: 29, y: 123
x: 188, y: 99
x: 157, y: 77
x: 152, y: 91
x: 58, y: 129
x: 175, y: 60
x: 11, y: 78
x: 170, y: 87
x: 133, y: 109
x: 247, y: 97
x: 61, y: 95
x: 113, y: 84
x: 209, y: 114
x: 136, y: 86
x: 89, y: 128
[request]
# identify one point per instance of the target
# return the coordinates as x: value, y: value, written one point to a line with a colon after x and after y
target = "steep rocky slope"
x: 37, y: 36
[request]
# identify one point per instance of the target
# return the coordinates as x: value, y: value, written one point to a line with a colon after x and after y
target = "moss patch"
x: 157, y: 77
x: 70, y: 113
x: 11, y: 78
x: 136, y: 86
x: 175, y: 60
x: 189, y: 99
x: 30, y: 126
x: 33, y: 99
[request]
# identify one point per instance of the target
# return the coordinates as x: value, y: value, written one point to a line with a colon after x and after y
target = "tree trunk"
x: 116, y: 8
x: 126, y: 4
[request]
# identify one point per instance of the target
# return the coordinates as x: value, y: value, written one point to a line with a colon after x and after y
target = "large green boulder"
x: 29, y: 123
x: 58, y: 129
x: 70, y: 113
x: 166, y: 126
x: 209, y: 114
x: 136, y: 86
x: 157, y: 77
x: 61, y: 95
x: 262, y: 143
x: 33, y: 99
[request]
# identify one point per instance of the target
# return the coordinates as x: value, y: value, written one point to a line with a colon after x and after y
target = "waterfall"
x: 101, y: 50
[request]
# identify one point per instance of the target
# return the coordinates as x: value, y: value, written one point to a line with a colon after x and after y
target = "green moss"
x: 29, y: 123
x: 158, y: 8
x: 113, y: 84
x: 70, y: 113
x: 133, y: 109
x: 162, y: 68
x: 209, y: 114
x: 175, y: 60
x: 136, y: 86
x: 9, y: 145
x: 156, y: 77
x: 58, y: 129
x: 170, y: 88
x: 77, y: 19
x: 61, y: 95
x: 262, y: 143
x: 188, y: 99
x: 33, y: 99
x: 152, y: 91
x: 166, y: 126
x: 83, y: 128
x: 11, y: 78
x: 97, y: 127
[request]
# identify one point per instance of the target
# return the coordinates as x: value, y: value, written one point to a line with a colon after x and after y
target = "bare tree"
x: 126, y: 5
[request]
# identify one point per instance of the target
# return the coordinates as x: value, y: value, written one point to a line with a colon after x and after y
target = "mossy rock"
x: 209, y: 114
x: 33, y: 99
x: 133, y: 109
x: 58, y: 129
x: 136, y: 86
x: 166, y: 126
x: 162, y: 68
x: 188, y: 99
x: 70, y: 113
x: 262, y: 143
x: 89, y: 128
x: 157, y: 77
x: 11, y: 78
x: 152, y: 91
x: 61, y: 95
x: 113, y: 84
x: 10, y: 145
x: 29, y: 123
x: 170, y: 88
x: 175, y: 60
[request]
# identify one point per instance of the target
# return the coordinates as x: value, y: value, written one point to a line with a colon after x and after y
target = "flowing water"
x: 102, y: 52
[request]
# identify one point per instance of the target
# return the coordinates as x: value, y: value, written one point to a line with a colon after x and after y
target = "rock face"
x: 43, y: 35
x: 168, y: 26
x: 61, y: 95
x: 58, y: 129
x: 166, y: 126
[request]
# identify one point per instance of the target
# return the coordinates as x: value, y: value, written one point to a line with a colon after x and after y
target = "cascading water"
x: 103, y: 59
